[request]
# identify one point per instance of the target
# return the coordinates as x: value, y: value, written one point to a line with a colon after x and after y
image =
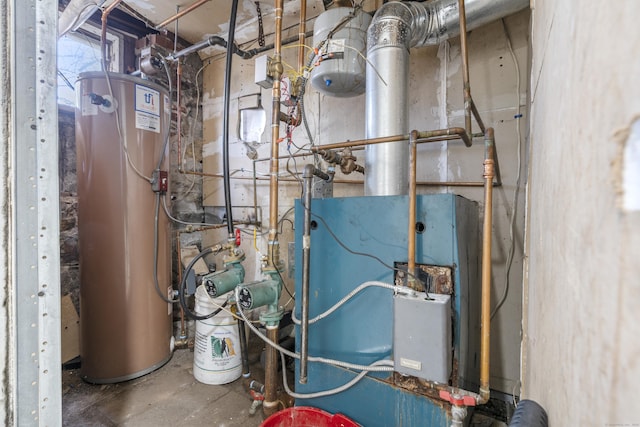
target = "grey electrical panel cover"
x: 422, y: 344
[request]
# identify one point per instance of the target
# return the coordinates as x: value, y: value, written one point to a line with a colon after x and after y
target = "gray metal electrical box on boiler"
x: 422, y: 344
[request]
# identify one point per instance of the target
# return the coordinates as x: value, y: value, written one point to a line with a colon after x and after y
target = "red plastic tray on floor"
x: 307, y: 416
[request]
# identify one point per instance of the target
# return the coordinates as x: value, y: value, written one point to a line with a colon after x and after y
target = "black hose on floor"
x: 529, y: 414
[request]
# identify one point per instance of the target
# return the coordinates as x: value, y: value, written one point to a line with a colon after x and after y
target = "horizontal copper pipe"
x: 353, y: 181
x: 361, y: 142
x: 425, y: 136
x: 181, y: 14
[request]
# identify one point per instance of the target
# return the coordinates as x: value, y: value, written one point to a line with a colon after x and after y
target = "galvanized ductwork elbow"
x: 395, y: 28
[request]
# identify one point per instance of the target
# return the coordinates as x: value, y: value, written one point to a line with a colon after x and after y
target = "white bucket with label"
x: 216, y: 352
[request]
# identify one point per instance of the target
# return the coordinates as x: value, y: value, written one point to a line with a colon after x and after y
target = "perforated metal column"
x: 34, y: 395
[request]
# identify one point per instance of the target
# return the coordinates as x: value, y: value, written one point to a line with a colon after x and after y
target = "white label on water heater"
x: 146, y: 121
x: 88, y: 108
x: 147, y: 109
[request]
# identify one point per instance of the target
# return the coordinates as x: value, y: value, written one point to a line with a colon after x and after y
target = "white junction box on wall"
x: 422, y: 345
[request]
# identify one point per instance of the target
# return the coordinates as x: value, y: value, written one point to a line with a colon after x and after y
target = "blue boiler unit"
x: 362, y: 331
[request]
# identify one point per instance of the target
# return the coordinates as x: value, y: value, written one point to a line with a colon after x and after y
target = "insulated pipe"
x: 307, y: 175
x: 395, y: 28
x: 485, y: 309
x: 225, y: 119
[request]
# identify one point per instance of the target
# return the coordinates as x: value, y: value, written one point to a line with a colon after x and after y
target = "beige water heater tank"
x: 125, y: 325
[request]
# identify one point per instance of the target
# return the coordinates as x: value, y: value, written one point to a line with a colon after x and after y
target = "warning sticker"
x: 146, y: 121
x: 87, y: 107
x: 147, y: 100
x: 335, y: 45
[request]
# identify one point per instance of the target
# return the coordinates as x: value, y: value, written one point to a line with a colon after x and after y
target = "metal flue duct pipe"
x: 397, y: 27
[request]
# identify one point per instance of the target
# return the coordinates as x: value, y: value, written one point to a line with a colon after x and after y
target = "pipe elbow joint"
x: 308, y: 170
x: 390, y: 26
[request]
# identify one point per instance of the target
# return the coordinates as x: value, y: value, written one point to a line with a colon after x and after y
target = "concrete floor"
x: 169, y: 396
x: 172, y: 396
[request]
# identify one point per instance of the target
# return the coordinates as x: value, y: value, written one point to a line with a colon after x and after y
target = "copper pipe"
x: 179, y: 113
x: 183, y: 330
x: 301, y: 35
x: 270, y: 404
x: 179, y: 15
x: 485, y: 310
x: 358, y: 182
x: 424, y: 136
x: 476, y: 115
x: 103, y: 34
x: 411, y: 236
x: 464, y: 53
x: 290, y: 119
x: 275, y: 134
x: 361, y: 142
x: 498, y: 175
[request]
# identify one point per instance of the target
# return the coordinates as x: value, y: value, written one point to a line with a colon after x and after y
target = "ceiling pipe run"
x: 396, y: 28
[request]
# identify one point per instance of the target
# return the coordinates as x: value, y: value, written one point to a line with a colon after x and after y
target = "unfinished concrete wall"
x: 435, y: 102
x: 582, y: 352
x: 69, y: 254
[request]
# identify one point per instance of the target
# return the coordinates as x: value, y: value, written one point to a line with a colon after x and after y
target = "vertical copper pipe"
x: 183, y: 330
x: 179, y: 113
x: 275, y: 135
x: 270, y: 404
x: 476, y: 115
x: 465, y: 67
x: 485, y: 310
x: 103, y: 37
x: 178, y: 15
x: 302, y: 28
x: 411, y: 236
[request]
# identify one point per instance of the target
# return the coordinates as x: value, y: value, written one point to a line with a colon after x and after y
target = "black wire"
x: 66, y: 80
x: 225, y: 131
x: 183, y: 290
x: 293, y: 228
x: 390, y: 267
